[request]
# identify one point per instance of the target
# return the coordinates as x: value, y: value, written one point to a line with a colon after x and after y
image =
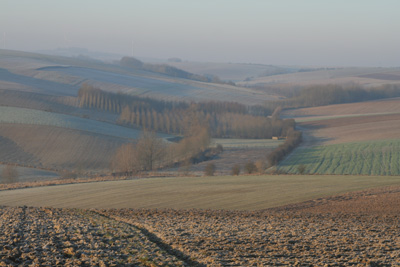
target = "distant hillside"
x: 236, y: 72
x: 343, y: 76
x: 56, y: 75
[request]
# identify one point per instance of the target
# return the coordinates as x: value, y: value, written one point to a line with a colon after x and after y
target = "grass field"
x: 368, y: 158
x: 225, y: 192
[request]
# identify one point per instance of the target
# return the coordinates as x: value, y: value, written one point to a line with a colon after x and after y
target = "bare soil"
x: 353, y: 229
x: 353, y: 122
x: 353, y: 129
x: 358, y: 229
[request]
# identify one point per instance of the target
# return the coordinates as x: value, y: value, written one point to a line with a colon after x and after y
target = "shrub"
x: 236, y: 169
x: 209, y: 169
x: 250, y: 167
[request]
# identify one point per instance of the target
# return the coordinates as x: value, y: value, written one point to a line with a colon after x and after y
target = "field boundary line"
x: 154, y: 239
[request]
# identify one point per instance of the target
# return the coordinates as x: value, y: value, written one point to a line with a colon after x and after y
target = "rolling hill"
x: 42, y: 125
x: 57, y: 75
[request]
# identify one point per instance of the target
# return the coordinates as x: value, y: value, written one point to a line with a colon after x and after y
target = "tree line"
x: 223, y: 119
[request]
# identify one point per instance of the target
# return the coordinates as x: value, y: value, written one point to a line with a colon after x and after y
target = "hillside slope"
x: 56, y: 148
x: 63, y: 76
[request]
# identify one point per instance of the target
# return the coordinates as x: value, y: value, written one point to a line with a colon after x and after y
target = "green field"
x: 225, y: 192
x: 367, y: 158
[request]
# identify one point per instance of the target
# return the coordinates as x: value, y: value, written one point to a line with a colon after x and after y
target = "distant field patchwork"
x: 38, y: 117
x: 368, y: 158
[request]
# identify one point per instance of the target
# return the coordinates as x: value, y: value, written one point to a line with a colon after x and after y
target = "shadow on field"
x: 156, y: 240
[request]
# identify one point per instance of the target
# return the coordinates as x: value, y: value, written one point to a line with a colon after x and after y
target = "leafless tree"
x: 150, y: 151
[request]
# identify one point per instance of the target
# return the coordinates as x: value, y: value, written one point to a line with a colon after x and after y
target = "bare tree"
x: 9, y: 174
x: 150, y: 151
x: 125, y: 160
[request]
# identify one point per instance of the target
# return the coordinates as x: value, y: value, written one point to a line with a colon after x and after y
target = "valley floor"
x: 352, y: 229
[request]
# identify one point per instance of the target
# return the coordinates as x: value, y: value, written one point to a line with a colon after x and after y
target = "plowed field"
x: 354, y: 229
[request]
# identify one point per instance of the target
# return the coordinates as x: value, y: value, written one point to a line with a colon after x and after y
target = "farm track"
x: 153, y: 238
x: 54, y: 237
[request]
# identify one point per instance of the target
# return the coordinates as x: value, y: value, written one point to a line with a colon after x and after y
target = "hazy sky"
x: 291, y: 32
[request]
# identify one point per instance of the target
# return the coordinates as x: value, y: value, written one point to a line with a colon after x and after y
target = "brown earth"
x: 353, y: 229
x: 343, y: 123
x: 53, y: 237
x: 353, y: 129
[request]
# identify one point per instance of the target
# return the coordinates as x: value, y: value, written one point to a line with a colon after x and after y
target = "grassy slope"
x: 55, y: 147
x: 226, y: 192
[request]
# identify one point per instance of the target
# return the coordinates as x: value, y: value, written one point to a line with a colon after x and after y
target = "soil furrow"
x: 154, y: 238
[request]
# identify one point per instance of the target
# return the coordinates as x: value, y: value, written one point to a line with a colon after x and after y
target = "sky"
x: 277, y: 32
